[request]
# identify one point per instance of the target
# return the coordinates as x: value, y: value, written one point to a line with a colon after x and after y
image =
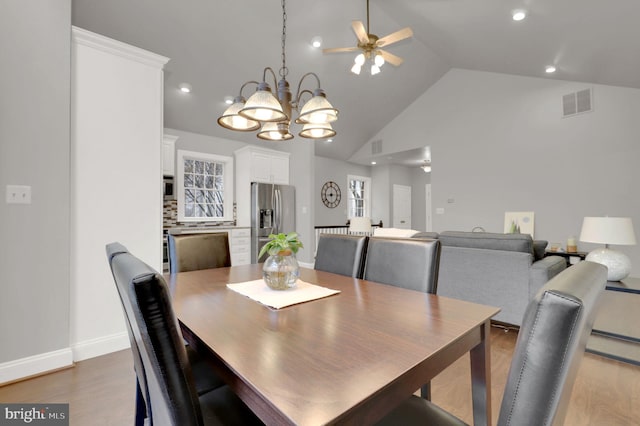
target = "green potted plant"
x: 280, y: 269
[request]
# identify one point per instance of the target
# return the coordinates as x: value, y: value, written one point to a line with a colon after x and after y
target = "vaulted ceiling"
x: 217, y: 45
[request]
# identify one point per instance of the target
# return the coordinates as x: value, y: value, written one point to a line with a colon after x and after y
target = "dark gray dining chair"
x: 165, y: 377
x: 341, y: 254
x: 192, y: 252
x: 411, y: 263
x: 550, y: 345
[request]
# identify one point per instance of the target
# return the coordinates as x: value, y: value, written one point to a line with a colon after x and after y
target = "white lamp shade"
x: 608, y: 230
x: 360, y: 224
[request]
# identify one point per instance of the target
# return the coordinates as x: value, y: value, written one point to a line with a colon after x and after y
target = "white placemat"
x: 302, y: 292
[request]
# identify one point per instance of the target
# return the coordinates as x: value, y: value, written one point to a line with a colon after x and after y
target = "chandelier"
x: 273, y: 115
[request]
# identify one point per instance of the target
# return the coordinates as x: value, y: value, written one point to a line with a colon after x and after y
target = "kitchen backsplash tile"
x: 170, y: 218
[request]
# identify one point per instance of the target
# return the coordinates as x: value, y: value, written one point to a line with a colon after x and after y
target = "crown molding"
x: 114, y: 47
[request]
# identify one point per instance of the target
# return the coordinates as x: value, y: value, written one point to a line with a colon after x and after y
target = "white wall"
x: 116, y: 180
x: 34, y: 151
x: 418, y: 198
x: 381, y: 195
x: 499, y: 143
x: 328, y: 169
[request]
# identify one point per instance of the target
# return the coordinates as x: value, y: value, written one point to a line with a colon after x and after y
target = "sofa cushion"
x: 394, y: 232
x: 487, y: 240
x: 425, y: 234
x: 538, y: 248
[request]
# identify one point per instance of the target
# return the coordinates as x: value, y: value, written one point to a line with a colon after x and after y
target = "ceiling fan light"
x: 375, y: 69
x: 317, y: 131
x: 230, y: 119
x: 360, y: 59
x: 263, y: 106
x: 356, y: 69
x: 318, y: 110
x: 379, y: 60
x: 275, y: 132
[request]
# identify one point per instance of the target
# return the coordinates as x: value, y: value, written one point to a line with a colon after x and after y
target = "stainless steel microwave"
x: 169, y: 188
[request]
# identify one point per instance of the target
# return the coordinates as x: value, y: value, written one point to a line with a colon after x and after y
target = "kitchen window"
x: 359, y: 196
x: 204, y: 187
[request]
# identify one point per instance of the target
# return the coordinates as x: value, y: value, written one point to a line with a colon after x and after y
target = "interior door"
x: 429, y: 217
x: 402, y: 206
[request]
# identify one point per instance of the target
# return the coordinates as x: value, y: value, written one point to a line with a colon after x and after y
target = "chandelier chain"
x: 284, y: 70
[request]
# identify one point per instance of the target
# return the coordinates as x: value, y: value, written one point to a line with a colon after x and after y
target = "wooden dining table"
x: 349, y: 358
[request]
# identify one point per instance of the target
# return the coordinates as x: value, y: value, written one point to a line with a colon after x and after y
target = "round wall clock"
x: 330, y: 194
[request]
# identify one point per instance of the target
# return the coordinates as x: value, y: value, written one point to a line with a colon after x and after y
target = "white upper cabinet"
x: 168, y: 154
x: 263, y: 165
x: 255, y: 164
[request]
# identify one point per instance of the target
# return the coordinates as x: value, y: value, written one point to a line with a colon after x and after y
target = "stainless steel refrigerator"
x: 273, y: 210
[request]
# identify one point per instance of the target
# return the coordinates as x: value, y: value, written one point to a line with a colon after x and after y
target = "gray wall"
x: 34, y: 150
x: 328, y: 169
x: 380, y: 195
x: 499, y: 143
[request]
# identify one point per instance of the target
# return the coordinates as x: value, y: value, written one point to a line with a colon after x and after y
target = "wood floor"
x: 100, y: 391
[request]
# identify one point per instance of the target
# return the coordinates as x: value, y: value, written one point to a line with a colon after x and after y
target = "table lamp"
x: 360, y: 225
x: 609, y: 230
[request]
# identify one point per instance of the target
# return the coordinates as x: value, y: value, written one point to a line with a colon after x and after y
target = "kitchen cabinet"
x: 240, y: 246
x: 263, y: 165
x: 168, y: 154
x: 255, y: 164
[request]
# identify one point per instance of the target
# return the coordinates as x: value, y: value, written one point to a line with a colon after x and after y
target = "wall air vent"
x: 577, y: 103
x: 376, y: 147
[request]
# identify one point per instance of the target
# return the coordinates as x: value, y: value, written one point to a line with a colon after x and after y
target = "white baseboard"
x: 33, y: 365
x: 100, y: 346
x: 306, y: 265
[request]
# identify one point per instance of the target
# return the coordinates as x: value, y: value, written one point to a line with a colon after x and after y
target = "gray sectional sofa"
x: 502, y: 270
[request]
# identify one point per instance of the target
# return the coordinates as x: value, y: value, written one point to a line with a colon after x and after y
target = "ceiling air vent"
x: 576, y: 103
x: 376, y: 147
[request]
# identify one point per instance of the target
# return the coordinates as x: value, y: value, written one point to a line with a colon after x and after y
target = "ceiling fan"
x: 371, y: 45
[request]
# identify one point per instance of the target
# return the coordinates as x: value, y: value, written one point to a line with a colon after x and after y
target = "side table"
x: 570, y: 257
x: 616, y: 333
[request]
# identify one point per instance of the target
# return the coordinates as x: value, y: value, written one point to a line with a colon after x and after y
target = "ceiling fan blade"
x: 395, y: 37
x: 390, y: 57
x: 340, y: 49
x: 361, y: 33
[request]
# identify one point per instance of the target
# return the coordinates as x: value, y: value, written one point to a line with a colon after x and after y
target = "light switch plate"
x: 18, y: 194
x: 440, y: 210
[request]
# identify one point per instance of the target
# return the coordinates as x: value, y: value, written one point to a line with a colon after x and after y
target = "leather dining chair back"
x: 341, y: 254
x: 410, y: 263
x: 550, y: 346
x: 172, y: 397
x: 191, y: 252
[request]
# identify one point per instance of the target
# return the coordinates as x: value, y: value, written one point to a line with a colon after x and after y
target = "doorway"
x: 401, y: 206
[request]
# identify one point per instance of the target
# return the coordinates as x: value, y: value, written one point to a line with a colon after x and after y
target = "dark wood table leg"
x: 481, y: 378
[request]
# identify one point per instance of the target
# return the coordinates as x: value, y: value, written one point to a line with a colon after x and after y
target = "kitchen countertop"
x: 200, y: 229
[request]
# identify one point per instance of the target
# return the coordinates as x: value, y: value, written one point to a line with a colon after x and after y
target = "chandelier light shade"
x: 263, y: 106
x: 272, y: 114
x: 318, y: 110
x: 317, y: 131
x: 275, y: 132
x: 609, y: 230
x: 231, y: 120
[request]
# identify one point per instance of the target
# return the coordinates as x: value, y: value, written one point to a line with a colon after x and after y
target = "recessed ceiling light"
x: 316, y: 41
x: 550, y: 69
x: 185, y: 87
x: 518, y: 15
x: 228, y: 100
x: 373, y: 163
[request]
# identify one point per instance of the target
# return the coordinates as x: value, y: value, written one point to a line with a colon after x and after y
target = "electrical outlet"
x: 18, y: 194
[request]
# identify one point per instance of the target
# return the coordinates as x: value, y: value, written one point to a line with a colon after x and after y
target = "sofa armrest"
x: 543, y: 270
